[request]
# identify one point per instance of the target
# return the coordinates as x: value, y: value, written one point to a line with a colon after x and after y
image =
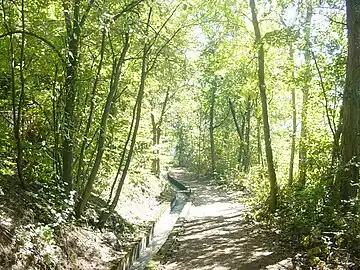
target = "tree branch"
x: 324, y: 93
x: 83, y: 18
x: 128, y: 8
x: 38, y: 37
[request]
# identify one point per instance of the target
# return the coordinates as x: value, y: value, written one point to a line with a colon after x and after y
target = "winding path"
x: 216, y: 234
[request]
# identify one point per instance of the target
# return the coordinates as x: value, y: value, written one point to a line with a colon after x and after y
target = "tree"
x: 211, y: 128
x: 117, y: 69
x: 74, y: 25
x: 348, y: 176
x: 156, y: 134
x: 307, y: 79
x: 264, y: 105
x: 294, y: 124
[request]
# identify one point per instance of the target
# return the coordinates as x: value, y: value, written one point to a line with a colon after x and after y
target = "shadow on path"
x: 216, y: 235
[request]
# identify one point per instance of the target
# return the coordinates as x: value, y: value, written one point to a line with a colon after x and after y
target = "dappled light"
x: 216, y: 234
x: 197, y: 134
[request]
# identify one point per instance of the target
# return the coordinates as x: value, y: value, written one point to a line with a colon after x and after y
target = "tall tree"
x: 133, y: 133
x: 156, y: 134
x: 74, y: 24
x: 305, y: 101
x: 212, y: 127
x: 293, y: 133
x: 348, y: 176
x: 264, y: 106
x: 117, y: 71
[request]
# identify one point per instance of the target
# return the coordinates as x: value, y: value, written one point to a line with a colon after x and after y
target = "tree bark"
x: 348, y: 176
x: 102, y: 133
x: 293, y: 134
x: 123, y: 154
x: 74, y: 27
x: 21, y: 98
x: 211, y: 131
x: 246, y: 160
x: 144, y: 70
x: 54, y: 101
x: 335, y: 153
x: 261, y: 77
x: 73, y: 35
x: 260, y: 159
x: 156, y: 133
x: 91, y: 112
x: 303, y: 132
x: 239, y: 131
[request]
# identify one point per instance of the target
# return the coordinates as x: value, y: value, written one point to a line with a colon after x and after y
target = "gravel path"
x: 216, y: 236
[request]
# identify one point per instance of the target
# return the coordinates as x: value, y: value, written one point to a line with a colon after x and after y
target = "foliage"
x: 36, y: 246
x: 92, y: 91
x: 310, y: 222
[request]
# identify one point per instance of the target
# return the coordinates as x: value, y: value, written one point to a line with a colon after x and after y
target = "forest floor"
x: 30, y: 239
x: 216, y: 234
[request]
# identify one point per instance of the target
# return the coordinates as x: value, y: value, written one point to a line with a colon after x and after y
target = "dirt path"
x: 216, y: 236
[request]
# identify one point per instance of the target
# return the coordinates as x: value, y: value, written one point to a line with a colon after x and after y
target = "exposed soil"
x: 216, y: 235
x: 23, y: 244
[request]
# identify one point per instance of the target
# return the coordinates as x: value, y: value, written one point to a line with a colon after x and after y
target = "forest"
x: 99, y: 98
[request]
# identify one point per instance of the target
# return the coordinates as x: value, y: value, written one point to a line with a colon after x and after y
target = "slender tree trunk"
x: 242, y: 146
x: 14, y: 113
x: 102, y: 134
x: 74, y: 26
x: 211, y: 133
x: 246, y: 160
x: 260, y: 159
x: 157, y: 166
x: 54, y: 100
x: 303, y: 132
x: 293, y: 135
x: 154, y: 140
x: 200, y: 139
x: 156, y: 130
x: 73, y: 35
x: 348, y: 176
x: 18, y: 111
x: 106, y: 214
x: 261, y: 75
x: 238, y: 129
x: 91, y: 112
x: 335, y: 154
x: 123, y: 154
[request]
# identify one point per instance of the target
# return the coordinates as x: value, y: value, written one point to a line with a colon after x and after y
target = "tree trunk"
x: 74, y: 25
x: 211, y: 131
x: 293, y: 135
x: 156, y: 130
x: 106, y: 214
x: 123, y: 154
x: 73, y: 35
x: 91, y: 112
x: 102, y: 134
x: 239, y: 131
x: 154, y: 140
x: 335, y: 153
x: 260, y: 159
x: 54, y: 101
x: 21, y: 97
x: 246, y: 160
x: 17, y: 110
x: 157, y: 173
x: 349, y: 170
x: 303, y: 132
x: 261, y: 76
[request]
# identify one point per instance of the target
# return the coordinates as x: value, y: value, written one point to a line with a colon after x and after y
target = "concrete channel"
x: 160, y: 231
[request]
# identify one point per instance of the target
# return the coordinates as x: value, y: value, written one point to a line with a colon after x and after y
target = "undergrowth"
x: 308, y: 221
x: 38, y: 229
